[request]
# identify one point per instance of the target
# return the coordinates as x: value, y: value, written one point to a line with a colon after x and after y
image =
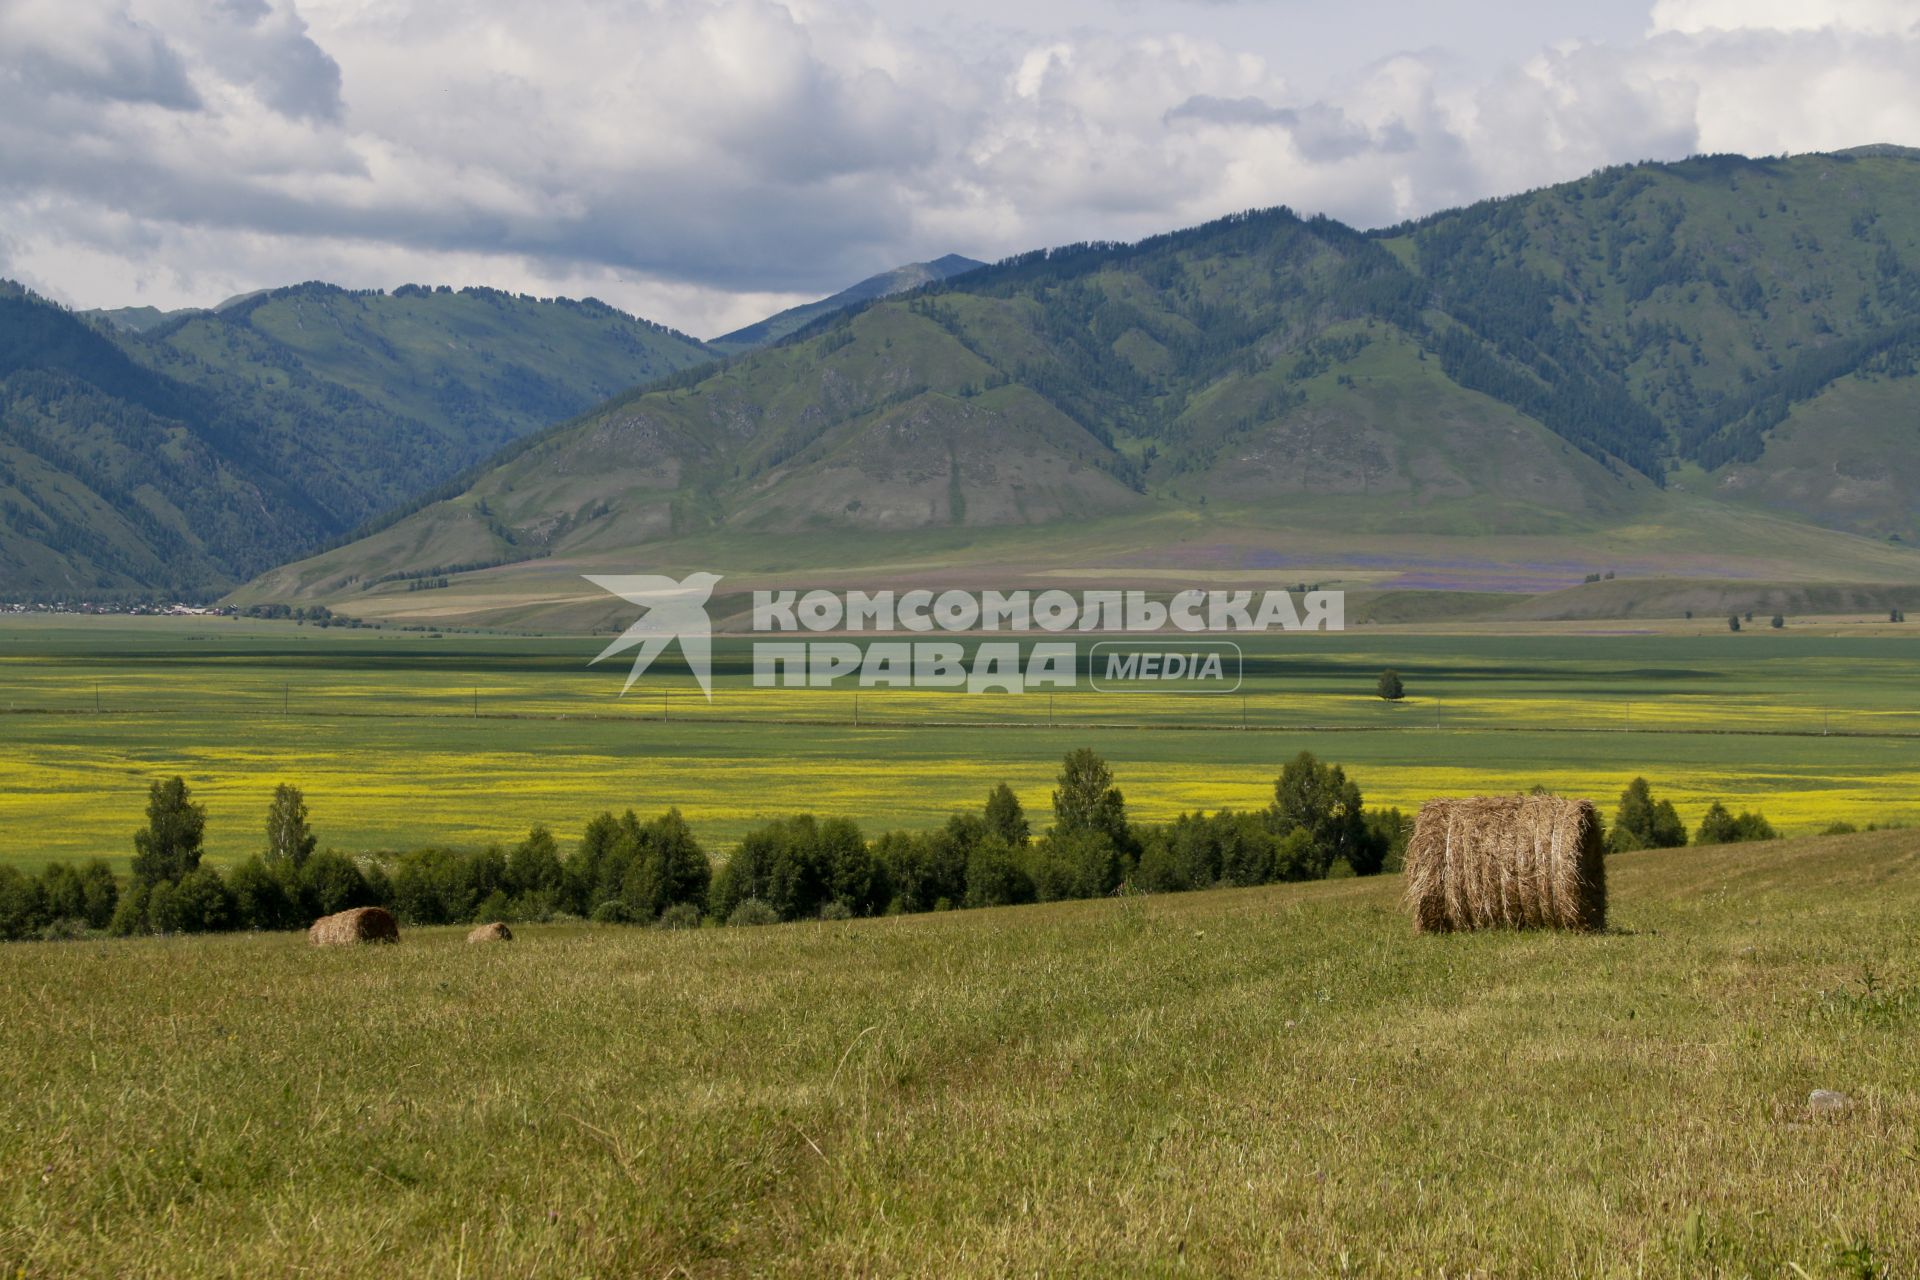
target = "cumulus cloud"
x: 702, y: 161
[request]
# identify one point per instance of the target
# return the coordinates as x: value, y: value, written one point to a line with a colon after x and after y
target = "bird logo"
x: 674, y: 610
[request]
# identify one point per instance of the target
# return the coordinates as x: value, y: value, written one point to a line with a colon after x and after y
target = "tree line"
x: 630, y: 870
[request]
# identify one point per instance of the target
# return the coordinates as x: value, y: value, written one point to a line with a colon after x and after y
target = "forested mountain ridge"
x: 1691, y: 305
x: 216, y: 444
x: 885, y: 285
x: 1540, y: 363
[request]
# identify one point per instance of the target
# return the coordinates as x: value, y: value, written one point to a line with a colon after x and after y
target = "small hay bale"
x: 1518, y: 862
x: 348, y: 928
x: 495, y: 932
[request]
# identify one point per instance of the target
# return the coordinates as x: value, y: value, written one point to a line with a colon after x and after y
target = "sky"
x: 706, y: 162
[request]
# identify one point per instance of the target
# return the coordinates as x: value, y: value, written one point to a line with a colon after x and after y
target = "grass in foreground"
x: 1269, y: 1081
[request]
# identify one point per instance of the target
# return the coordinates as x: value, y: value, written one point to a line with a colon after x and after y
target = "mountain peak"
x: 885, y: 285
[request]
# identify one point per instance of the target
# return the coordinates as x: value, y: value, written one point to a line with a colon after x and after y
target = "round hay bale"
x: 349, y: 928
x: 1518, y: 862
x: 495, y: 932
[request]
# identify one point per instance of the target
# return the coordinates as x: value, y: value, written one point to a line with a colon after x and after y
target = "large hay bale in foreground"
x: 1519, y: 862
x: 361, y: 924
x: 495, y: 932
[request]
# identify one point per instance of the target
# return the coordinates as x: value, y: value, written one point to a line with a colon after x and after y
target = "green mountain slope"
x: 219, y: 443
x: 1259, y: 361
x: 1673, y: 368
x: 885, y: 285
x: 1677, y: 314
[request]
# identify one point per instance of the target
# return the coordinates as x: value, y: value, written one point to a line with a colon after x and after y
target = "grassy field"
x: 1277, y: 1081
x: 401, y: 739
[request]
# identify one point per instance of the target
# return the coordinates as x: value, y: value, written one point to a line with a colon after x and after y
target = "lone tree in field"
x: 1896, y: 615
x: 1389, y: 686
x: 169, y: 848
x: 289, y: 838
x: 1643, y: 822
x: 1087, y: 799
x: 1779, y: 621
x: 1733, y: 622
x: 1005, y: 818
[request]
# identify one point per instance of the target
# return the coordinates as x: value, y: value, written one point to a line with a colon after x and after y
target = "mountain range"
x: 198, y: 451
x: 1703, y: 369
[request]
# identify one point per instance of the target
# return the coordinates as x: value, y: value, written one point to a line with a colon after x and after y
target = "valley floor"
x: 401, y: 739
x: 1280, y: 1081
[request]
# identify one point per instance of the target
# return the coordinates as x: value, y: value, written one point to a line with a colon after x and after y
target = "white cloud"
x: 700, y: 160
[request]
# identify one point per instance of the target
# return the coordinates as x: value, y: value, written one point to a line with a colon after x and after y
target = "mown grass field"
x: 1275, y: 1081
x: 401, y: 739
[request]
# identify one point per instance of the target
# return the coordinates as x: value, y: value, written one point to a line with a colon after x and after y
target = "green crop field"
x: 402, y: 739
x: 1275, y: 1081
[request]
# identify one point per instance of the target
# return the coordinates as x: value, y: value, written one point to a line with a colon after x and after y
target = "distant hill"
x: 884, y: 285
x: 216, y: 444
x: 1655, y: 347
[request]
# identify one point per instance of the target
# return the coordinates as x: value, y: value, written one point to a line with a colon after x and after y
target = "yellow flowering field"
x: 401, y: 739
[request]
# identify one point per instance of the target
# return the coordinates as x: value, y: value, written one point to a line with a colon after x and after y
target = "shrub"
x: 61, y: 893
x: 1644, y: 823
x: 995, y: 877
x: 1005, y: 818
x: 495, y: 906
x: 753, y: 911
x: 23, y: 909
x: 534, y: 865
x: 1080, y: 863
x: 1385, y: 845
x: 1838, y: 829
x: 130, y: 912
x: 99, y: 892
x: 1155, y: 872
x: 917, y: 869
x: 200, y: 903
x: 1246, y: 848
x: 1716, y: 827
x: 1721, y: 827
x: 836, y: 909
x: 1390, y: 686
x: 260, y: 898
x: 1296, y: 858
x: 681, y: 915
x: 331, y: 882
x: 612, y: 911
x: 160, y: 917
